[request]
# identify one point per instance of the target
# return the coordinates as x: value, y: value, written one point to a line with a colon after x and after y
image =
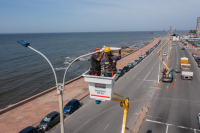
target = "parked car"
x: 138, y: 60
x: 141, y: 58
x: 198, y: 64
x: 198, y: 117
x: 165, y: 54
x: 130, y: 65
x: 183, y: 48
x: 29, y: 129
x: 121, y: 72
x: 194, y: 54
x: 49, y: 121
x: 197, y: 59
x: 134, y: 63
x: 71, y: 106
x: 126, y: 69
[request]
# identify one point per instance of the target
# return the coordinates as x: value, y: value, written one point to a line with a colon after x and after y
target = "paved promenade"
x: 33, y: 111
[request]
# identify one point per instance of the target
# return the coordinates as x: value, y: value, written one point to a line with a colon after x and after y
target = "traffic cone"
x: 174, y: 83
x: 167, y: 87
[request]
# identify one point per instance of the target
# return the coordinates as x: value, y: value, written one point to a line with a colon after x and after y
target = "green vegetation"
x: 192, y: 31
x: 128, y: 51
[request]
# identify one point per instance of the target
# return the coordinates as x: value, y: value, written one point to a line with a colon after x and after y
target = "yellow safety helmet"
x: 107, y: 49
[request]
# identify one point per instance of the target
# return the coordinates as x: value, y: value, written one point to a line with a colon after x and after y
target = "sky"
x: 50, y: 16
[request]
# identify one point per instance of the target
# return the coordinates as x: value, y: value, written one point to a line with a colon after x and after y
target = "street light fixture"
x: 60, y: 86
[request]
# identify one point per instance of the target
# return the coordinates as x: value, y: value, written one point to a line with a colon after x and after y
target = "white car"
x: 165, y: 53
x: 174, y: 44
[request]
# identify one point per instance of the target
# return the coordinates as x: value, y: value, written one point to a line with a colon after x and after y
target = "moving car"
x: 165, y: 53
x: 183, y: 48
x: 126, y: 68
x: 49, y: 121
x: 71, y: 106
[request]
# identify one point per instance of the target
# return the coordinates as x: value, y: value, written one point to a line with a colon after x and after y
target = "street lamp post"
x: 60, y: 86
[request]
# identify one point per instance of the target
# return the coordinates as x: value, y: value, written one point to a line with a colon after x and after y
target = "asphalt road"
x: 172, y: 110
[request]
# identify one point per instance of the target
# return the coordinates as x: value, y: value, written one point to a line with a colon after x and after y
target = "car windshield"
x: 118, y: 72
x: 46, y: 119
x: 68, y: 105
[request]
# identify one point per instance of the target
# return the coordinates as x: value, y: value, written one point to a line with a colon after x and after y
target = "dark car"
x: 121, y: 72
x: 28, y: 129
x: 126, y: 68
x: 198, y: 64
x: 71, y: 106
x: 198, y: 117
x: 49, y: 121
x: 197, y: 59
x: 183, y: 48
x: 138, y: 60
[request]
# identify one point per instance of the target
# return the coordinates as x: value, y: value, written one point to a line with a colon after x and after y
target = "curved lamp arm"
x: 73, y: 62
x: 26, y: 44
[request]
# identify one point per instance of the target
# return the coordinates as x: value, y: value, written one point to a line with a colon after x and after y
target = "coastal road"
x: 170, y: 110
x: 175, y: 110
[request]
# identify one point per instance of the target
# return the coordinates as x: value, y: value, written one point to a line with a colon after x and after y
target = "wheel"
x: 48, y: 128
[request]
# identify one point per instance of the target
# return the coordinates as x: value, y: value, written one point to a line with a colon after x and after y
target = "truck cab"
x: 169, y: 78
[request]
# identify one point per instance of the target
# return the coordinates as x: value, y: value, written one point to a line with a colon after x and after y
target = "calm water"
x: 24, y: 73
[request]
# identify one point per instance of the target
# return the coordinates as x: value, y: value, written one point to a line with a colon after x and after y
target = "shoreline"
x: 25, y: 113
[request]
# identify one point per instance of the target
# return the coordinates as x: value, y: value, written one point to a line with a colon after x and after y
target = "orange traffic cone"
x: 174, y: 83
x: 167, y: 87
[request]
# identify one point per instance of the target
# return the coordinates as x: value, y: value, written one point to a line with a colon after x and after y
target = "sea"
x: 25, y: 73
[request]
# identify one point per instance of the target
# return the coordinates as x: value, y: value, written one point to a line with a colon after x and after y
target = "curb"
x: 34, y: 97
x: 136, y: 128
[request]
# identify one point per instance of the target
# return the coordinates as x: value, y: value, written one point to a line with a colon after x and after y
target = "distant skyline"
x: 53, y: 16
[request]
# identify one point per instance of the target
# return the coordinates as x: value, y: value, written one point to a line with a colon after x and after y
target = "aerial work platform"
x: 100, y: 87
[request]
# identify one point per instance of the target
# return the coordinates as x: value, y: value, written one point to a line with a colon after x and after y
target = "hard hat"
x: 96, y: 49
x: 107, y: 49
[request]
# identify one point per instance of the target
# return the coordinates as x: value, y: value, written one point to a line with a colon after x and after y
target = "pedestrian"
x: 95, y: 66
x: 110, y: 61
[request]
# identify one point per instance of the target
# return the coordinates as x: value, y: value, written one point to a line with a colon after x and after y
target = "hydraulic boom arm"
x: 168, y: 70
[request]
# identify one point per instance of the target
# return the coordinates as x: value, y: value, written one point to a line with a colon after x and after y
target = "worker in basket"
x: 95, y: 66
x: 110, y: 61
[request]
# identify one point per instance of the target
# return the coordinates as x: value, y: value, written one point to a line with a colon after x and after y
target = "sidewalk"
x: 33, y: 111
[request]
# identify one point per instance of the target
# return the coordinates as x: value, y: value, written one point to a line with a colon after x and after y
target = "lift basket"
x: 100, y: 87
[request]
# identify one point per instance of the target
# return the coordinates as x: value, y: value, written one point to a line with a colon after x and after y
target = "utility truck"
x: 167, y: 75
x: 186, y: 72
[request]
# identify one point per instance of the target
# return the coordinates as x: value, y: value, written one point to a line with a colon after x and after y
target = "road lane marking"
x: 106, y: 127
x: 167, y: 128
x: 135, y: 75
x: 154, y: 117
x: 175, y: 79
x: 171, y: 125
x: 147, y: 75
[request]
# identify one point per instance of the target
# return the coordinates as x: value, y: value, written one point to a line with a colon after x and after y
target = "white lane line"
x: 147, y: 75
x: 106, y: 127
x: 154, y: 117
x: 172, y: 125
x: 167, y: 128
x: 150, y: 80
x: 175, y: 79
x: 135, y: 75
x: 183, y: 127
x: 75, y: 112
x: 155, y: 121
